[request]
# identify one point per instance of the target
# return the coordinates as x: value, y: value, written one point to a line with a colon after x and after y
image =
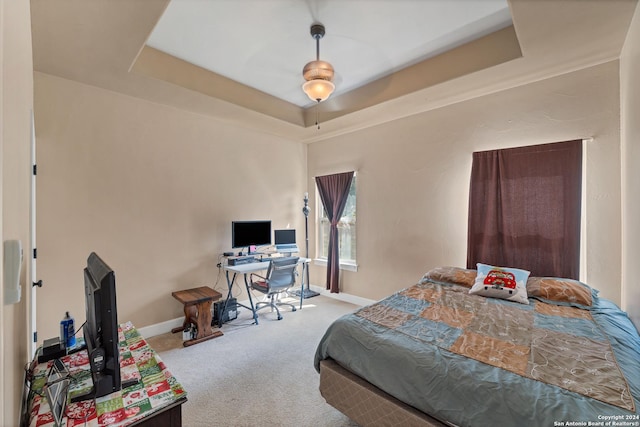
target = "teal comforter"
x: 474, y: 361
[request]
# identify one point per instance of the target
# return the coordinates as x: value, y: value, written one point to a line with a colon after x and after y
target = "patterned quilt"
x: 471, y: 360
x: 558, y: 345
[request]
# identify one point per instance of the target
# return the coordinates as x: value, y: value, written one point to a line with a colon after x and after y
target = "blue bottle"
x: 67, y: 331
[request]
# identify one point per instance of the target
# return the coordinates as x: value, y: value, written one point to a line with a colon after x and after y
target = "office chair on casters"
x: 281, y: 275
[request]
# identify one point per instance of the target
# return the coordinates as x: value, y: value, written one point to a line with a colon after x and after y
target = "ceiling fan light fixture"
x: 318, y: 74
x: 318, y: 70
x: 318, y: 89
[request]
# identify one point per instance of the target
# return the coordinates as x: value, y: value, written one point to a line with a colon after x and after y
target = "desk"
x: 231, y: 271
x: 197, y: 310
x: 156, y: 399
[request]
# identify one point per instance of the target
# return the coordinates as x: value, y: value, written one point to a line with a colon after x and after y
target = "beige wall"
x: 16, y: 89
x: 413, y: 176
x: 151, y: 189
x: 630, y: 112
x: 170, y: 183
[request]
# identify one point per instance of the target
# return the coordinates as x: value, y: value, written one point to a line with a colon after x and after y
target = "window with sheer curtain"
x: 525, y: 209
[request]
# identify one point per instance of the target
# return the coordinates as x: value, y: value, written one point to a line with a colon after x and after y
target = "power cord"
x: 80, y: 328
x: 28, y: 379
x: 219, y: 266
x: 234, y: 293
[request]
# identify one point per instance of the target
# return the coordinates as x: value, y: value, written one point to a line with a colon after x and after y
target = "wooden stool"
x: 197, y: 310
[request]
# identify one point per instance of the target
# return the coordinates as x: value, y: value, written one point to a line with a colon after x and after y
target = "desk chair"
x: 281, y: 275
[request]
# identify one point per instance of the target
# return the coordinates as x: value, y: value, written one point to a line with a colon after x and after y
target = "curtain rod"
x: 355, y: 172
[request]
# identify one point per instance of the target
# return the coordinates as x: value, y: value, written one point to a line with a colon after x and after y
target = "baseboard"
x: 353, y: 299
x: 167, y: 326
x: 160, y: 328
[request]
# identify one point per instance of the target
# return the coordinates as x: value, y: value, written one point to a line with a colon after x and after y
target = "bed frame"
x: 366, y: 404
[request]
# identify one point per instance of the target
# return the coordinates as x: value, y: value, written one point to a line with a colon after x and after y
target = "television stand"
x: 197, y: 310
x: 122, y: 406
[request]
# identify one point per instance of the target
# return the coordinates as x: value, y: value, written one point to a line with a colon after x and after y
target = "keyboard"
x: 287, y: 248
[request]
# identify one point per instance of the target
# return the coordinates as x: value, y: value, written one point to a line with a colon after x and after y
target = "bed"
x: 435, y: 354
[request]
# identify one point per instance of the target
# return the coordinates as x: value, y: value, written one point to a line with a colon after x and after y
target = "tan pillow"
x: 559, y: 291
x: 457, y: 275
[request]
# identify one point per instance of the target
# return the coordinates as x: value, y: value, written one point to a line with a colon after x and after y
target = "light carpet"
x: 256, y: 375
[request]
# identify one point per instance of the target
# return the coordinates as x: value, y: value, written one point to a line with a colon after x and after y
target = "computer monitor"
x: 250, y: 233
x: 285, y: 240
x: 101, y: 328
x: 285, y: 237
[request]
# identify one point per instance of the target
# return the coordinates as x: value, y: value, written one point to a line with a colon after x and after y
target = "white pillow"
x: 501, y: 282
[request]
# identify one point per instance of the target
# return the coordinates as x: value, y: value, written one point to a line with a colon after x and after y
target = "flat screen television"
x: 101, y: 328
x: 250, y: 233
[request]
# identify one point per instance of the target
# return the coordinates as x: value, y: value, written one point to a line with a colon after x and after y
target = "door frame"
x: 31, y: 258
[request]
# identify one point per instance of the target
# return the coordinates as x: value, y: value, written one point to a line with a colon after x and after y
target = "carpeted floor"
x: 256, y: 375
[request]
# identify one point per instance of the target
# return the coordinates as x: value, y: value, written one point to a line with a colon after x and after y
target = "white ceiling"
x: 265, y: 43
x: 102, y: 43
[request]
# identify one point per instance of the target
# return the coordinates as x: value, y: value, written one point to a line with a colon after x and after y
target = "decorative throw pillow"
x: 457, y: 275
x: 558, y: 291
x: 501, y: 282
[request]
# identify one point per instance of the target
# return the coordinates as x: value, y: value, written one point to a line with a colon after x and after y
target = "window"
x: 524, y: 208
x: 346, y: 230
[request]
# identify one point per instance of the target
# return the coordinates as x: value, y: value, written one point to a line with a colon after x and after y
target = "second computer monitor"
x: 285, y: 240
x: 285, y: 237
